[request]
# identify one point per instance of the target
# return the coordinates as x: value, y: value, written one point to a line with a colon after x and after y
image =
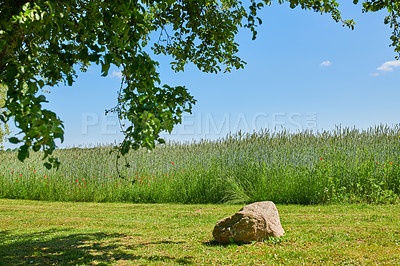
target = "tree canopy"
x: 43, y: 43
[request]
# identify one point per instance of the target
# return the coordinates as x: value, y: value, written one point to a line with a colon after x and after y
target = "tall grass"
x: 343, y: 165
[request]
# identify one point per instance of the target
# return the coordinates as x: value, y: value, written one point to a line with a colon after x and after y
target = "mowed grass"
x: 60, y: 233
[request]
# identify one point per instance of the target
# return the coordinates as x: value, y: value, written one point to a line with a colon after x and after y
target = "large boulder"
x: 255, y: 222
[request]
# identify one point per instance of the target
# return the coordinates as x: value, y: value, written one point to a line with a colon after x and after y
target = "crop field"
x: 344, y: 165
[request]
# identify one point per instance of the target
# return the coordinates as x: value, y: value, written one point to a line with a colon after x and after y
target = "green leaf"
x: 41, y: 99
x: 104, y: 68
x: 41, y: 83
x: 11, y: 72
x: 47, y: 165
x: 70, y: 80
x: 13, y: 140
x: 36, y: 147
x: 23, y: 152
x: 59, y: 136
x: 25, y: 7
x: 3, y: 118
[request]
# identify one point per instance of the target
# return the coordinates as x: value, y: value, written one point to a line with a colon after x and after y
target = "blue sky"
x: 304, y: 71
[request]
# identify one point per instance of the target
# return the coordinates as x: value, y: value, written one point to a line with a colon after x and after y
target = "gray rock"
x: 255, y: 222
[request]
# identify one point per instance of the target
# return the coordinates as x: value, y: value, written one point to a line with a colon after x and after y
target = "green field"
x: 56, y: 233
x: 345, y: 165
x: 87, y: 215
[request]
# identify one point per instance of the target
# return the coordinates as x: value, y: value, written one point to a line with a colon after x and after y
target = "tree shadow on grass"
x: 60, y: 247
x: 212, y: 243
x: 215, y: 243
x: 4, y: 233
x: 157, y: 243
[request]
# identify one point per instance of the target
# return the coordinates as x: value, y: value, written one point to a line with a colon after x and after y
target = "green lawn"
x: 37, y: 233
